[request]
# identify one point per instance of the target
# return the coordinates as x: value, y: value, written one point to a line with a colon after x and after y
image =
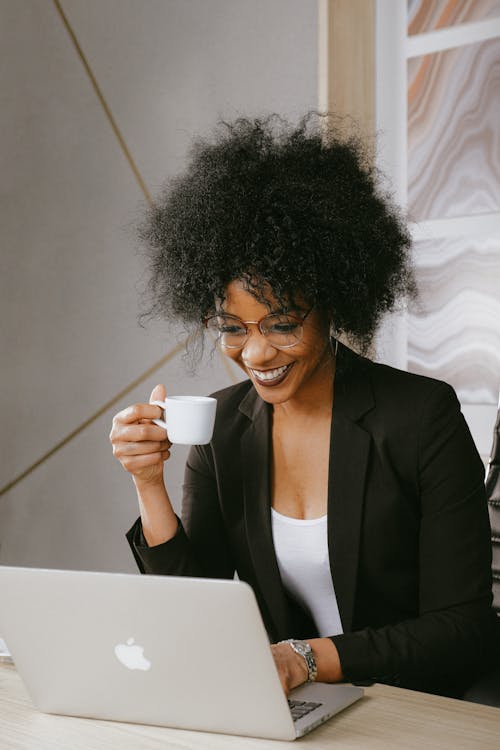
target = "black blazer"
x: 408, y: 527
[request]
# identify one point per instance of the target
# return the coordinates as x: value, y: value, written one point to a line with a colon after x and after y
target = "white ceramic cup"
x: 188, y: 420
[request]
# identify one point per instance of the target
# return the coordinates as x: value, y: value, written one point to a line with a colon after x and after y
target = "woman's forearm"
x: 159, y: 522
x: 327, y: 660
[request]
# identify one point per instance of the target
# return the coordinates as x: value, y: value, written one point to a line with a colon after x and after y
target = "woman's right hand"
x: 140, y: 445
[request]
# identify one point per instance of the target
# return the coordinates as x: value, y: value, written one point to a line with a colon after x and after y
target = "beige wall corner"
x: 346, y: 76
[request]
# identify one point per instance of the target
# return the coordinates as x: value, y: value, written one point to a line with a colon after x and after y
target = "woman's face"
x: 280, y: 375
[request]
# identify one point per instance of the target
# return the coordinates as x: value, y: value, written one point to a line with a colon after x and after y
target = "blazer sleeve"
x: 455, y: 630
x: 200, y: 547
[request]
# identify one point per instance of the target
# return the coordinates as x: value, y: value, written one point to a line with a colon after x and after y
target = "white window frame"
x: 393, y: 48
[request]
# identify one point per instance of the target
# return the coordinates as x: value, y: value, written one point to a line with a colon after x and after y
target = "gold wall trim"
x: 108, y: 405
x: 118, y: 133
x: 104, y: 104
x: 115, y: 399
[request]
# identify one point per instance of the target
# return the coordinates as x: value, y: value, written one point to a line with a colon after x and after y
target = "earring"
x: 333, y: 337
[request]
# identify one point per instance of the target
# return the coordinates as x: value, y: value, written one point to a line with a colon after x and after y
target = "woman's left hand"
x: 292, y: 668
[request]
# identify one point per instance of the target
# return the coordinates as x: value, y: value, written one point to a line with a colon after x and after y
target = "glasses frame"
x: 298, y: 318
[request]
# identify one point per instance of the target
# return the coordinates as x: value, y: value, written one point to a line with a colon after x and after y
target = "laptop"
x: 169, y: 651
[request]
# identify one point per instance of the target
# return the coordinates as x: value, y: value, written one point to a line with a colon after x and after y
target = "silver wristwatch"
x: 304, y: 649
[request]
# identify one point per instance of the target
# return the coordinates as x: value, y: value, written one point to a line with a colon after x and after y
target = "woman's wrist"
x: 150, y: 487
x: 327, y: 659
x: 159, y: 522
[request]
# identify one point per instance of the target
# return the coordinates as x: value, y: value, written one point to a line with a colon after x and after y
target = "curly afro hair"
x: 298, y: 208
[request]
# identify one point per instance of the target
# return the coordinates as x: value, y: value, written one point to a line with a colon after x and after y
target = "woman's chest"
x: 299, y: 470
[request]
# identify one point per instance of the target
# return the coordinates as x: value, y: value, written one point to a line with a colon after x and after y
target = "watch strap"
x: 304, y: 649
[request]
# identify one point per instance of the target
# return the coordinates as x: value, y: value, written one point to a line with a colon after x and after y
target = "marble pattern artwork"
x: 454, y: 326
x: 427, y: 15
x: 454, y: 132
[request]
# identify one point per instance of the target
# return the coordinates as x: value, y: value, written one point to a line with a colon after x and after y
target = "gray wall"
x: 70, y: 341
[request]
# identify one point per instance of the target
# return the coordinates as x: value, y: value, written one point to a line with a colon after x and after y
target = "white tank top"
x: 301, y: 547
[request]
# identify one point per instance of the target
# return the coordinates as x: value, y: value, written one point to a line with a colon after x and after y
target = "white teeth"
x: 270, y: 374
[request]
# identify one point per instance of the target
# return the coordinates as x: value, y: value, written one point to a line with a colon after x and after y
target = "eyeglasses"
x: 282, y: 330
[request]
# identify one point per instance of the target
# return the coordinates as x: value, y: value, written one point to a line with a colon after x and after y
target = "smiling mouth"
x: 271, y: 377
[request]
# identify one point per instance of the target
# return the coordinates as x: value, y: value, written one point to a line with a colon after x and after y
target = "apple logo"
x: 132, y: 656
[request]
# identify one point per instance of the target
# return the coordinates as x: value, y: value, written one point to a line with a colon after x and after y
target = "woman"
x: 348, y: 494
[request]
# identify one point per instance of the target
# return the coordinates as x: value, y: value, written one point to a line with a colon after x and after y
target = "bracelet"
x: 302, y: 648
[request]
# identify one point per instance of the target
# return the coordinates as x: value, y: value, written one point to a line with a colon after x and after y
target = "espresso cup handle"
x: 160, y: 422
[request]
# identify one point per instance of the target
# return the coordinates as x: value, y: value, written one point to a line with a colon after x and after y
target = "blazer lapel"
x: 255, y: 462
x: 349, y: 454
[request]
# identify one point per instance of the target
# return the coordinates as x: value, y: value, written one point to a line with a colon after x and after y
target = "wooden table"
x: 385, y: 718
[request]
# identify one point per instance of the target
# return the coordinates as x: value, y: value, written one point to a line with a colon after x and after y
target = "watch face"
x: 303, y: 647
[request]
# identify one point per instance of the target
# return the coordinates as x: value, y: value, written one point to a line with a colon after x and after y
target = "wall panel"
x: 70, y: 339
x: 453, y: 132
x: 453, y: 330
x: 428, y: 15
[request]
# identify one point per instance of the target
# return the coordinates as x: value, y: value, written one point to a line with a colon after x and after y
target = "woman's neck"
x: 315, y: 398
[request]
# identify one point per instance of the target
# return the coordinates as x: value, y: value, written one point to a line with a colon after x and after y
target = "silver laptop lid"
x: 178, y: 652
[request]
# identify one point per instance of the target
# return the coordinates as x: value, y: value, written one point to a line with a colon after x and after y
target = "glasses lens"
x: 282, y: 330
x: 230, y: 331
